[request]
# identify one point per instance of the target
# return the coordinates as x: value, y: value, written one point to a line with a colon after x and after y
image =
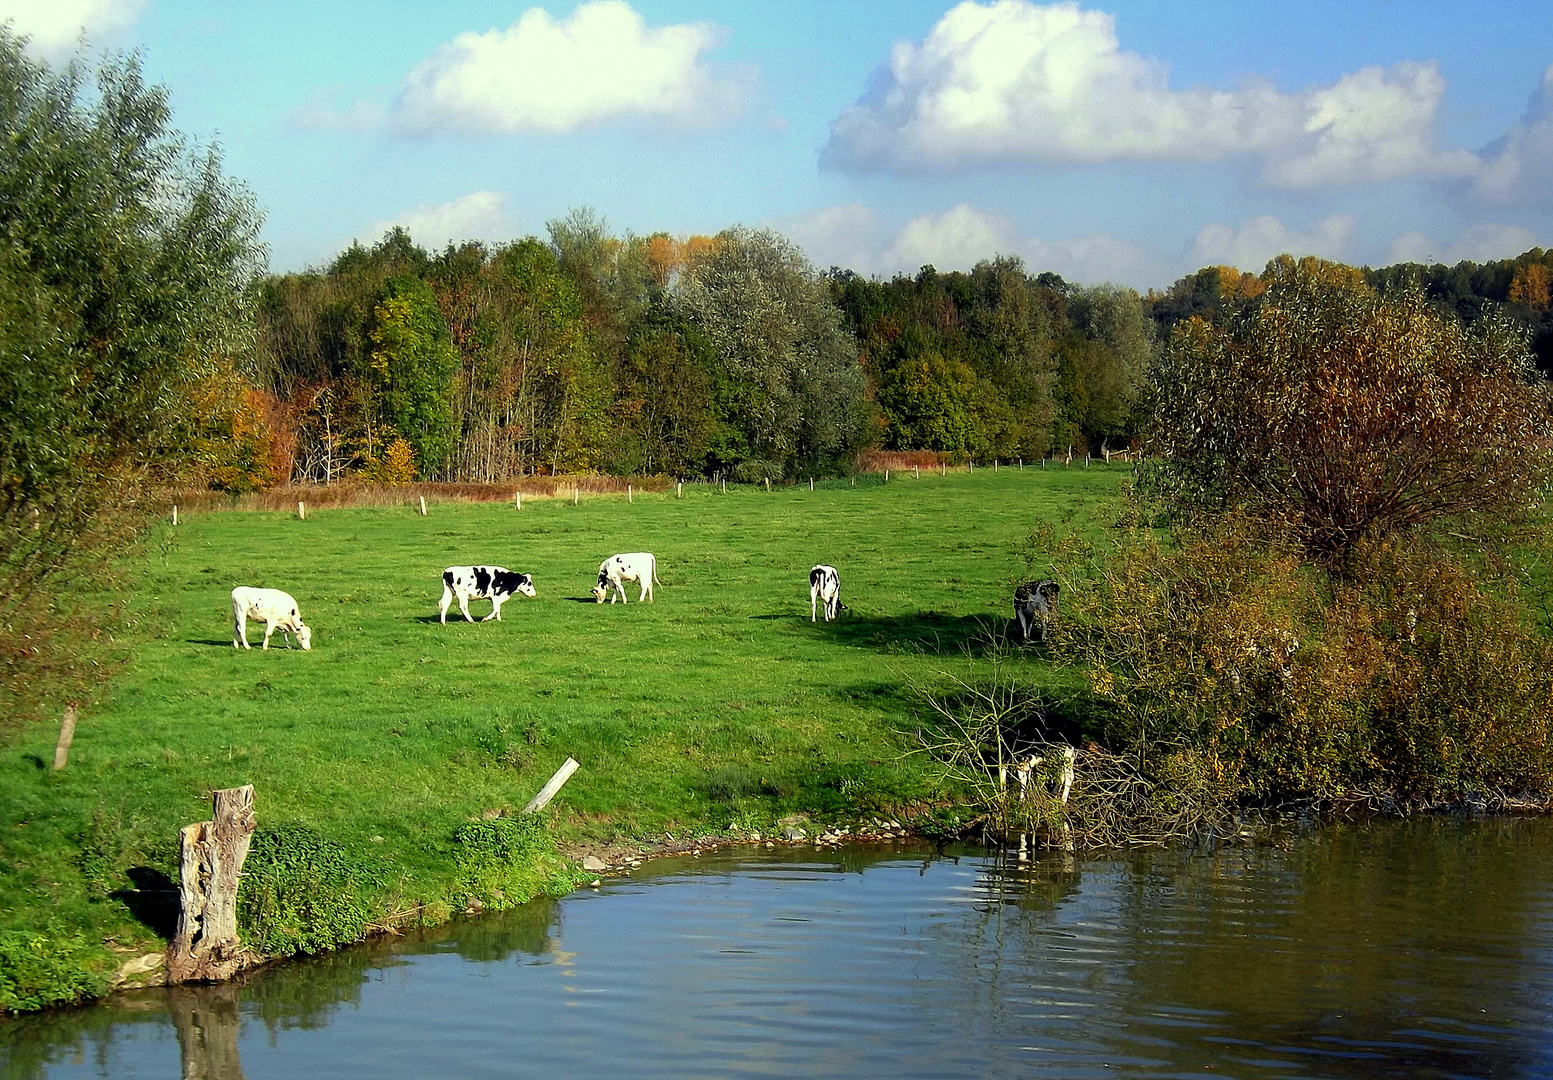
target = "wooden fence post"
x: 301, y: 510
x: 517, y: 500
x: 66, y: 735
x: 553, y: 785
x: 206, y: 947
x: 576, y: 493
x: 630, y: 498
x: 679, y: 489
x: 423, y: 506
x: 175, y: 515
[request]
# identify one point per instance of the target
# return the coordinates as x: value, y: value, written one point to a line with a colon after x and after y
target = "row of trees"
x: 724, y: 355
x: 589, y: 352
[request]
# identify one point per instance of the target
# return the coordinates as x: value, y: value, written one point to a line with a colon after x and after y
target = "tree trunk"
x: 206, y: 947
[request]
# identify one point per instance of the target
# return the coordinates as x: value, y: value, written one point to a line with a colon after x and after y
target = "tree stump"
x: 206, y: 947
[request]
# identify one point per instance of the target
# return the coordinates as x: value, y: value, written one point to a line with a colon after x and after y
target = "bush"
x: 501, y: 860
x: 303, y: 893
x: 1403, y: 680
x: 51, y: 967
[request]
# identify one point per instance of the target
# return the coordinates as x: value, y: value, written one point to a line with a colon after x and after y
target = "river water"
x: 1413, y: 949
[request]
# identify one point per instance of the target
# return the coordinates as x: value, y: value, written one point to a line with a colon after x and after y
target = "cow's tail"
x: 655, y: 580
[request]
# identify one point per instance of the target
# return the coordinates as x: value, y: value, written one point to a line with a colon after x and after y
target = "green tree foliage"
x: 788, y: 383
x: 124, y: 266
x: 1335, y: 415
x: 413, y: 363
x: 997, y: 363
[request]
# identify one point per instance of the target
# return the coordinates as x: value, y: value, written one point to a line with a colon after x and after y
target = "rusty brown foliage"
x: 1335, y: 416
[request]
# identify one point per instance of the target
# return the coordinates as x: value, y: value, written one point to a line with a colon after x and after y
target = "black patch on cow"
x: 506, y: 582
x: 447, y: 578
x: 483, y: 580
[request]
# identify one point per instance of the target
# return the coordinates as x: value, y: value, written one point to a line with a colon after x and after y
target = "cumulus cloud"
x: 1012, y: 81
x: 55, y: 26
x: 1250, y: 246
x: 555, y: 75
x: 854, y: 237
x: 1480, y: 243
x: 1516, y: 167
x: 480, y: 215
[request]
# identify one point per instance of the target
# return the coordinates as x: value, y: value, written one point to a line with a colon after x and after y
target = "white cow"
x: 277, y: 609
x: 493, y: 583
x: 616, y: 570
x: 824, y: 588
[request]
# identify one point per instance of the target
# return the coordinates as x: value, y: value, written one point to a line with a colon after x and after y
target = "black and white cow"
x: 1035, y: 602
x: 493, y: 583
x: 824, y: 588
x: 615, y: 571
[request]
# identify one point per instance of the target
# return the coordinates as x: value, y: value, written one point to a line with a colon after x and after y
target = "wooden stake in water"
x: 66, y: 737
x: 301, y: 511
x: 553, y: 785
x: 423, y: 506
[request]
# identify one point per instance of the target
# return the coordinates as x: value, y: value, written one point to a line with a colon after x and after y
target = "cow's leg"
x: 463, y: 605
x: 496, y: 602
x: 442, y: 608
x: 240, y: 627
x: 269, y: 628
x: 646, y: 589
x: 620, y: 589
x: 814, y: 605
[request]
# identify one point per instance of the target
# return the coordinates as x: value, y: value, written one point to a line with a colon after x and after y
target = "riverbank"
x: 719, y: 709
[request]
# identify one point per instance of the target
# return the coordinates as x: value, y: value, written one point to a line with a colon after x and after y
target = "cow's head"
x: 304, y: 636
x: 599, y: 592
x: 526, y: 585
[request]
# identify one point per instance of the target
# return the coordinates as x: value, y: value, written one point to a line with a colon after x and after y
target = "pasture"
x: 718, y: 705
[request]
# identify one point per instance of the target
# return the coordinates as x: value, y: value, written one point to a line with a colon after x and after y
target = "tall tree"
x: 125, y: 260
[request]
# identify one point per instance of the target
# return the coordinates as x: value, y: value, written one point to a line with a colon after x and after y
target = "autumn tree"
x: 413, y: 364
x: 1334, y: 415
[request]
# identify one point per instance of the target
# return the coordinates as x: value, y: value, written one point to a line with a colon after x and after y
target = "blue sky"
x: 1127, y: 141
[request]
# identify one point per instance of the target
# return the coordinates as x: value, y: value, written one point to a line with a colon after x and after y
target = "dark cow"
x: 824, y: 588
x: 1035, y: 602
x: 493, y: 583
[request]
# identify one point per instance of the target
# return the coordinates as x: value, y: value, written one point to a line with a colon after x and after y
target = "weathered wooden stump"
x: 206, y: 947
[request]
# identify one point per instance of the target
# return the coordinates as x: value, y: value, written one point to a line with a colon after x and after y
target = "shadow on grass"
x: 153, y: 901
x: 227, y: 644
x: 931, y: 633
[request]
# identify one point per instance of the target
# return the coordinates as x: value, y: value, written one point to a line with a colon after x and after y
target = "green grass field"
x: 719, y: 704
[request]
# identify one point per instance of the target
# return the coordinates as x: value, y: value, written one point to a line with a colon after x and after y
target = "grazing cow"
x: 616, y: 570
x: 824, y: 588
x: 493, y: 583
x: 1035, y: 602
x: 277, y: 609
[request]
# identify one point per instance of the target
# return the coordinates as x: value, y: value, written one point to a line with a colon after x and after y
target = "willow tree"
x: 1335, y: 415
x: 124, y: 263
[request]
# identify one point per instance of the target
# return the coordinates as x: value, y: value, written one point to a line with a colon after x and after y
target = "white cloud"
x: 480, y: 215
x: 1480, y: 243
x: 1250, y: 246
x: 854, y: 237
x: 1011, y: 81
x: 1516, y: 167
x: 55, y: 26
x: 550, y: 76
